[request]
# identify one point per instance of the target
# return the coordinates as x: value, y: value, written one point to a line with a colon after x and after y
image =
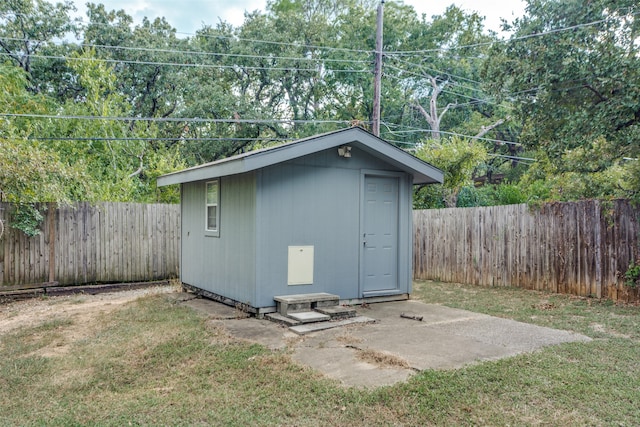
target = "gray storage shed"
x: 330, y: 213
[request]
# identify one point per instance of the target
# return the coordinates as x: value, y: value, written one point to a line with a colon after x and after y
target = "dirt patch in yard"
x: 68, y: 318
x: 381, y: 359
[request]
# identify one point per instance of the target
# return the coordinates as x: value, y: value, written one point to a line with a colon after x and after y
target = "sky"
x: 187, y: 16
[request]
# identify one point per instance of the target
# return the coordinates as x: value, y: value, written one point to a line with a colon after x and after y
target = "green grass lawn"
x: 157, y: 363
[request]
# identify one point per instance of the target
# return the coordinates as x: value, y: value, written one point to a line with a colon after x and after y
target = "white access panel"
x: 300, y: 270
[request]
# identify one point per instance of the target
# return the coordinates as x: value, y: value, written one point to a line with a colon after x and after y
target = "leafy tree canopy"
x: 553, y: 112
x: 571, y: 71
x: 458, y: 159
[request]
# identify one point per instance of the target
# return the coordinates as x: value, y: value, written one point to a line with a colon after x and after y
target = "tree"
x: 30, y: 171
x: 27, y: 29
x: 119, y: 155
x: 433, y: 116
x: 149, y: 74
x: 71, y: 158
x: 458, y: 159
x: 439, y: 65
x: 571, y: 70
x: 593, y: 170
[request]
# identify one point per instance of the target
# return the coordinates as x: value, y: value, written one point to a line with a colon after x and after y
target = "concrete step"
x: 320, y: 326
x: 309, y: 316
x: 304, y: 302
x: 337, y: 312
x: 283, y: 320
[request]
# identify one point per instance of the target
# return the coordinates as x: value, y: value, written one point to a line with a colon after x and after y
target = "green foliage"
x: 593, y: 170
x: 27, y: 28
x: 27, y: 218
x: 16, y: 98
x: 31, y: 171
x: 470, y: 196
x: 429, y: 197
x: 570, y: 97
x: 537, y: 191
x: 508, y: 194
x: 575, y: 92
x: 634, y: 180
x: 490, y: 195
x: 632, y: 275
x: 112, y: 158
x: 457, y: 158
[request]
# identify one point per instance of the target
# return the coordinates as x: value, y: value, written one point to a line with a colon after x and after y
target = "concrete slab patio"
x: 395, y: 347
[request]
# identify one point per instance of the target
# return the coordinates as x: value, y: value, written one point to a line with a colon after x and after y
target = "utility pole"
x: 377, y: 72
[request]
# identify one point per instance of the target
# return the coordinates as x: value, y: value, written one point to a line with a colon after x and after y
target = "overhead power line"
x: 399, y: 52
x: 242, y: 39
x: 523, y: 37
x: 474, y: 99
x: 173, y: 51
x: 512, y: 39
x: 233, y: 139
x: 238, y: 121
x: 171, y: 119
x: 190, y: 65
x: 228, y: 121
x: 421, y: 130
x: 294, y: 44
x: 504, y: 156
x: 236, y: 38
x: 298, y: 45
x: 178, y: 138
x: 422, y: 66
x: 201, y: 53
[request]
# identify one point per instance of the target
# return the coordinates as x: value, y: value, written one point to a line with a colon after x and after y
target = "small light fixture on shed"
x: 344, y: 151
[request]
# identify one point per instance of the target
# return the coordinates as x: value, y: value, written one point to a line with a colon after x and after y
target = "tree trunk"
x: 432, y: 117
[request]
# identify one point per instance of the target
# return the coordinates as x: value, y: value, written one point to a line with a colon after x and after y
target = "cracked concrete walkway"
x: 394, y: 348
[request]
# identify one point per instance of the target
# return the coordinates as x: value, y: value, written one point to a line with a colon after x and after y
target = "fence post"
x: 599, y: 220
x: 52, y: 241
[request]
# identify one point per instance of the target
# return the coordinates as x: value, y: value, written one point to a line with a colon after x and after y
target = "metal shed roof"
x: 423, y: 172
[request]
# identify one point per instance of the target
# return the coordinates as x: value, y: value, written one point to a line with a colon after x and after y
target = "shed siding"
x: 405, y: 230
x: 315, y: 200
x: 329, y: 159
x: 224, y: 265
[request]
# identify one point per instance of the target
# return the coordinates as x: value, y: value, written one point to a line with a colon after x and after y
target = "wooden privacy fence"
x: 581, y: 248
x: 106, y: 242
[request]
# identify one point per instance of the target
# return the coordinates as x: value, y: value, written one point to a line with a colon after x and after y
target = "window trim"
x: 210, y: 231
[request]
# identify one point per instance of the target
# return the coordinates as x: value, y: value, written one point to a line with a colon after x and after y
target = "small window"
x: 212, y: 204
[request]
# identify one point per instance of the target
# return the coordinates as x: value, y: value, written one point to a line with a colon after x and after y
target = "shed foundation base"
x: 259, y: 312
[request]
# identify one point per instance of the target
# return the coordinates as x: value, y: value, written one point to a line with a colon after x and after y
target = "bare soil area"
x: 78, y: 312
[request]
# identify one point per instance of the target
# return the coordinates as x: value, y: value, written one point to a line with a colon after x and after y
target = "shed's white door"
x: 380, y: 234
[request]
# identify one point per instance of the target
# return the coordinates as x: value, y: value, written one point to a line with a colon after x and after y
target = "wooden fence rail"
x: 106, y: 242
x: 581, y: 248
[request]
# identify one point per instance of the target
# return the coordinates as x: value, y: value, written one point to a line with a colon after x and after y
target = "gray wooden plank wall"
x: 579, y: 248
x: 105, y: 242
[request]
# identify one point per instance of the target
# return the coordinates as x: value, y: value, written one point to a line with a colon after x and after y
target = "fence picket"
x: 580, y: 248
x: 108, y: 242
